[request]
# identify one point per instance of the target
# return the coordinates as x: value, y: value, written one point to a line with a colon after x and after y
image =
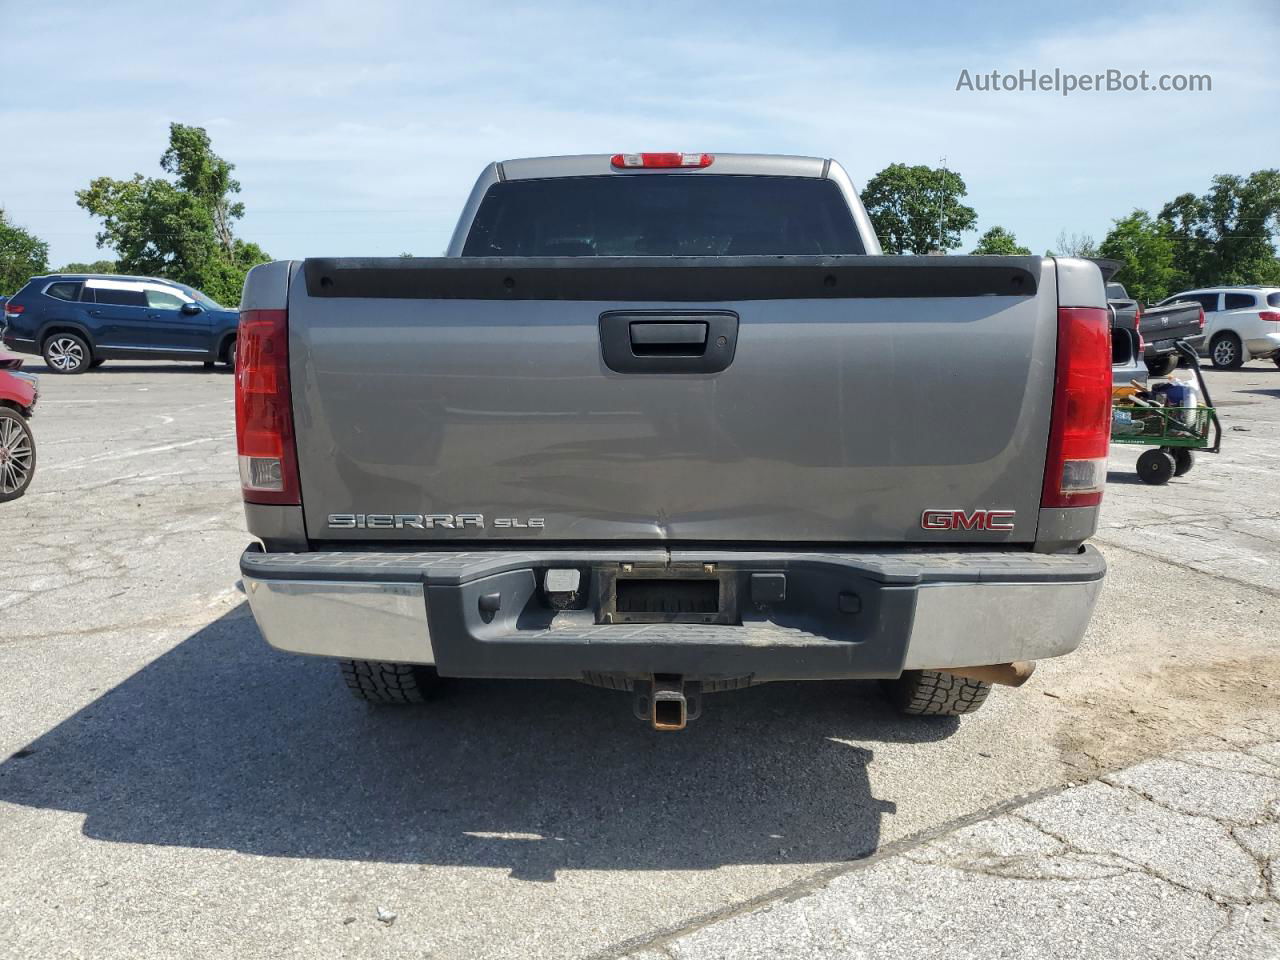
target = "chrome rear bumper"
x: 911, y: 610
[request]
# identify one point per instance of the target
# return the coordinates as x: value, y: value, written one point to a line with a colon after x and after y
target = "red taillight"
x: 1142, y: 344
x: 264, y: 411
x: 13, y: 309
x: 1270, y: 315
x: 629, y: 160
x: 1076, y: 466
x: 1137, y: 312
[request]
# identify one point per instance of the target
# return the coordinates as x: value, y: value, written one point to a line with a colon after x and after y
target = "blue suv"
x: 78, y: 321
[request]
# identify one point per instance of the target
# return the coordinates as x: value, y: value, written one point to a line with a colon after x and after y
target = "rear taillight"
x: 264, y: 411
x: 1137, y: 312
x: 1080, y: 428
x: 1270, y: 315
x: 13, y: 309
x: 1142, y: 344
x: 637, y: 160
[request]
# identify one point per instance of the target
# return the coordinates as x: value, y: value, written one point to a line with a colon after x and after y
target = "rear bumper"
x: 849, y: 615
x: 1263, y: 346
x: 1166, y: 345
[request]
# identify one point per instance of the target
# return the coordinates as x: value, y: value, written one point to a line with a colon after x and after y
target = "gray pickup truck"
x: 670, y: 424
x: 1158, y: 329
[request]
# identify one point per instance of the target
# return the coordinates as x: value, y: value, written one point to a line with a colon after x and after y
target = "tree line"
x: 181, y: 227
x: 1222, y: 237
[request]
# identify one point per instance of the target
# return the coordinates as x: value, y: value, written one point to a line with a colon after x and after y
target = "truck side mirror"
x: 190, y: 309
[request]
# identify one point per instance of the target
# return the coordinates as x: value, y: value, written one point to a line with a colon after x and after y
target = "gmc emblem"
x: 967, y: 519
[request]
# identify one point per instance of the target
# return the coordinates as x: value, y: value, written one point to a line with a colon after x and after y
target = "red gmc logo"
x: 967, y: 519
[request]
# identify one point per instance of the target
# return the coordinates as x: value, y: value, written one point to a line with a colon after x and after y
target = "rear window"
x: 1273, y: 299
x: 662, y: 215
x: 63, y: 290
x: 120, y: 298
x: 1238, y: 301
x: 1116, y: 292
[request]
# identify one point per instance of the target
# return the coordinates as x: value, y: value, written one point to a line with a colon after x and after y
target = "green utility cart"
x: 1173, y: 432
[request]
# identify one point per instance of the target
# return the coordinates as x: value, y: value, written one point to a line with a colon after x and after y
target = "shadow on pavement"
x: 224, y: 743
x: 1127, y: 477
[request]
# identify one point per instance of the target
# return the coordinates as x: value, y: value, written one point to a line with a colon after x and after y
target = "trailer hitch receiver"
x: 668, y: 701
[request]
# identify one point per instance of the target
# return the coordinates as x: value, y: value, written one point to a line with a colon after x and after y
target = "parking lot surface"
x: 169, y: 786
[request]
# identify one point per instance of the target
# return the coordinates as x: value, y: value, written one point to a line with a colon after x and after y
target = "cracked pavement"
x: 171, y: 786
x: 1175, y: 857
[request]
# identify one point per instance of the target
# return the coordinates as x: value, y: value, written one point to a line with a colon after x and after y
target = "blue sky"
x: 359, y: 127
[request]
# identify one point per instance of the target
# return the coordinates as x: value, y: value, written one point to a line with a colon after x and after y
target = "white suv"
x: 1240, y: 323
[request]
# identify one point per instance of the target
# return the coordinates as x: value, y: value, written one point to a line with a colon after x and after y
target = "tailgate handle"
x: 681, y: 339
x: 668, y: 342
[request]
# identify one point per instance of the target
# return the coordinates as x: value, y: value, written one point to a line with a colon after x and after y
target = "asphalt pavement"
x: 169, y: 786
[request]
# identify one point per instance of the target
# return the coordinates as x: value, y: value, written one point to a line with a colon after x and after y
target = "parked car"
x: 668, y: 424
x: 77, y: 321
x: 1241, y: 323
x: 18, y: 394
x: 1159, y: 328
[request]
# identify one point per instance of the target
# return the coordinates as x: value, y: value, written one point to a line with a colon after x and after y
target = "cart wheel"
x: 1156, y: 466
x: 1183, y: 460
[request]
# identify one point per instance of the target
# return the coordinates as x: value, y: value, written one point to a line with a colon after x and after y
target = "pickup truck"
x: 1160, y: 327
x: 670, y: 424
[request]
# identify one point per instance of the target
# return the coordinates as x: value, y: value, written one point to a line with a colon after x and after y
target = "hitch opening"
x: 667, y: 701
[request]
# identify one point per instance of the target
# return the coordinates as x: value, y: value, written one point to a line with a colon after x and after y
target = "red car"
x: 18, y: 392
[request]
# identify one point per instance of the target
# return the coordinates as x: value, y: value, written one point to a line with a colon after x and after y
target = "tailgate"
x: 1173, y: 322
x: 437, y: 401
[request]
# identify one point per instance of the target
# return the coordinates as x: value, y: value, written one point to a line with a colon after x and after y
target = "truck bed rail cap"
x: 1080, y: 283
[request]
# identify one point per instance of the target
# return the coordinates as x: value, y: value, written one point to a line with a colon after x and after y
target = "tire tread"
x: 934, y: 693
x: 377, y: 681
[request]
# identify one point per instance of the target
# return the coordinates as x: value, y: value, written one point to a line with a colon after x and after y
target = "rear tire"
x: 1226, y: 352
x: 229, y: 354
x: 378, y: 682
x: 1156, y: 466
x: 934, y: 693
x: 67, y: 353
x: 1162, y: 366
x: 1183, y: 460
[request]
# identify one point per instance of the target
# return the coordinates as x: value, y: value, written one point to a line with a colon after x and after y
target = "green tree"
x: 1146, y: 247
x: 98, y: 266
x: 1000, y: 242
x: 180, y: 228
x: 1226, y: 235
x: 917, y: 209
x: 22, y: 255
